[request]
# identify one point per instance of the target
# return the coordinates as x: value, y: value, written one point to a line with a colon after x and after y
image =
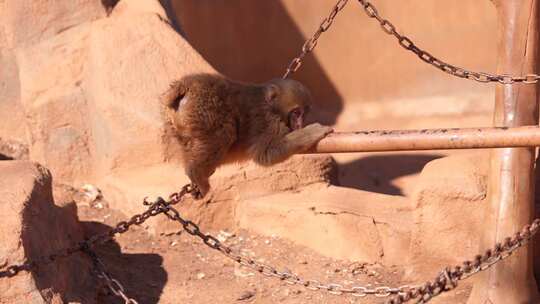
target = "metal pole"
x: 428, y: 139
x: 511, y: 175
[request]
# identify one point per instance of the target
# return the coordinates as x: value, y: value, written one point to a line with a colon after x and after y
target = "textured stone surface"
x: 11, y: 110
x: 231, y: 185
x: 26, y: 22
x: 342, y: 223
x: 11, y: 149
x: 133, y: 56
x: 84, y: 96
x: 32, y: 226
x: 449, y: 204
x: 55, y: 105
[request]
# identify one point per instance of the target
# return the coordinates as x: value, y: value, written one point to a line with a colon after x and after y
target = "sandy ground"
x: 177, y: 268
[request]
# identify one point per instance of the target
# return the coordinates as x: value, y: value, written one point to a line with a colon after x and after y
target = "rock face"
x: 338, y: 222
x: 11, y: 149
x: 32, y: 226
x: 230, y: 185
x: 48, y: 19
x: 83, y: 86
x: 449, y: 204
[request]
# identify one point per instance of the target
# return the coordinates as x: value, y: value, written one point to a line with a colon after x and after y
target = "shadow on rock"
x: 109, y: 4
x: 4, y: 157
x: 142, y: 275
x: 375, y: 173
x: 49, y: 227
x: 254, y: 41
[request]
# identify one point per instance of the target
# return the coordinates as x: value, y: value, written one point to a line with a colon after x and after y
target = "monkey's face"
x: 295, y: 119
x: 291, y: 100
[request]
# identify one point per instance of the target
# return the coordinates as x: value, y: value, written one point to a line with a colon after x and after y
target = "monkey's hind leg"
x: 202, y: 162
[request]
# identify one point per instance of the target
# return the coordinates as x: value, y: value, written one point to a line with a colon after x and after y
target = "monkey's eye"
x: 296, y: 112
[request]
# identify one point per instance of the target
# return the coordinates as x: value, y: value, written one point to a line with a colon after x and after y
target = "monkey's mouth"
x: 295, y: 122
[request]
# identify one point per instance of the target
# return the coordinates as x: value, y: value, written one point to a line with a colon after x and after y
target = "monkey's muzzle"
x: 296, y: 120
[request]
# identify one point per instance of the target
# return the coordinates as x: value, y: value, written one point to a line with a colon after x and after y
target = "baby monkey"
x: 218, y: 121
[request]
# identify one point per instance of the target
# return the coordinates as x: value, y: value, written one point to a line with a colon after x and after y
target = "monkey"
x: 217, y: 121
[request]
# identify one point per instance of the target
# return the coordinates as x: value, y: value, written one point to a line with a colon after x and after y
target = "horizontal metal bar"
x: 428, y: 139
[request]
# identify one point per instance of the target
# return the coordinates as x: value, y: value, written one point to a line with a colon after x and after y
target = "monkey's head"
x: 290, y: 99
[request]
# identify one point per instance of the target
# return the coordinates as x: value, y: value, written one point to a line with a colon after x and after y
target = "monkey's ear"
x: 272, y: 93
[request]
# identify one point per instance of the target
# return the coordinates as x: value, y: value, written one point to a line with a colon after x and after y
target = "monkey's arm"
x: 300, y: 140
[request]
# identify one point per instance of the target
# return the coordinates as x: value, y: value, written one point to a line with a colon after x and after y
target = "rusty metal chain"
x: 409, y: 45
x: 311, y: 43
x: 113, y: 284
x: 270, y: 271
x: 448, y: 279
x: 121, y: 227
x: 445, y: 281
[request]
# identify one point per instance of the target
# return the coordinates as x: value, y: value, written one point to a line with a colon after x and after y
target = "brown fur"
x: 218, y: 121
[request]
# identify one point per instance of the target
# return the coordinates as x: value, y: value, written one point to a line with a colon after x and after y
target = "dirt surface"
x: 177, y: 268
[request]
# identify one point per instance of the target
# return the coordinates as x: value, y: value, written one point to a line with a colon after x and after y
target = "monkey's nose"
x: 299, y: 123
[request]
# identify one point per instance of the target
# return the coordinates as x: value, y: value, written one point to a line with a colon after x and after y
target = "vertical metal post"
x: 511, y: 176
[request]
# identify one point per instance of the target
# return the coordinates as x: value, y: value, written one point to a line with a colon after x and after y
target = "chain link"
x: 408, y: 44
x: 114, y: 285
x: 445, y: 281
x: 448, y: 278
x: 405, y: 42
x: 121, y: 227
x: 270, y: 271
x: 311, y: 43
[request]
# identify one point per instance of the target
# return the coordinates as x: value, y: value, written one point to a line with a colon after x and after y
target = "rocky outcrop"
x: 449, y: 204
x: 82, y: 86
x: 231, y: 185
x: 338, y: 222
x: 24, y: 24
x: 32, y: 226
x: 11, y: 149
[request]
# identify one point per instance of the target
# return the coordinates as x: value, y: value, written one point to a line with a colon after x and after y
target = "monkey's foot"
x: 196, y: 192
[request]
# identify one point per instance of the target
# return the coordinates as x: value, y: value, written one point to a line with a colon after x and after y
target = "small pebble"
x: 242, y: 272
x: 246, y: 295
x: 224, y: 235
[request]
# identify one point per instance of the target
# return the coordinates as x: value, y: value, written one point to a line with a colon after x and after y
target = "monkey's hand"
x: 198, y: 192
x: 303, y: 139
x: 297, y: 141
x: 316, y: 131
